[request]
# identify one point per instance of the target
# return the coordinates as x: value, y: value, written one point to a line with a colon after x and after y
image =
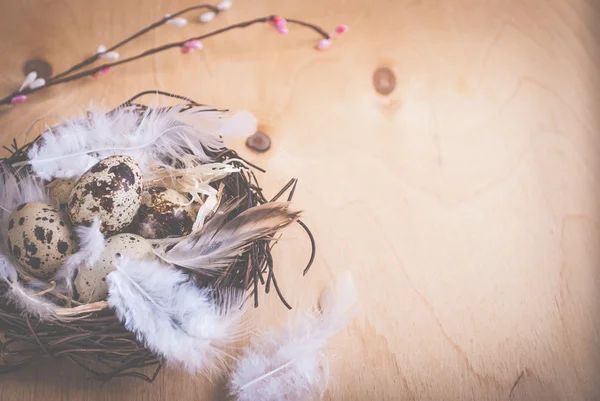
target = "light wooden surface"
x: 465, y: 203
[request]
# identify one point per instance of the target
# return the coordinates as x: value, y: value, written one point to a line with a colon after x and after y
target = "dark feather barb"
x: 223, y: 238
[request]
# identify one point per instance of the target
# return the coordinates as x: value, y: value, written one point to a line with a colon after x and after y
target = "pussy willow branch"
x: 89, y: 72
x: 136, y: 35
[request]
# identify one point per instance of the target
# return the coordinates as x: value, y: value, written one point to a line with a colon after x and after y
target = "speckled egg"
x: 40, y: 238
x: 165, y: 213
x: 90, y: 283
x: 111, y: 190
x: 60, y: 189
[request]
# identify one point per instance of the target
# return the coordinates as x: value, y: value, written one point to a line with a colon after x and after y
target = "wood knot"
x: 41, y: 67
x: 259, y: 142
x: 384, y: 81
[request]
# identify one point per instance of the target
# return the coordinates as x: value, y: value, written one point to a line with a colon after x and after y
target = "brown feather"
x: 220, y: 241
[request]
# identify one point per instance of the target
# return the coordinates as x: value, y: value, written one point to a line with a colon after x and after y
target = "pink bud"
x: 18, y: 99
x: 103, y: 71
x: 324, y: 44
x: 194, y: 44
x: 341, y: 29
x: 283, y: 29
x: 279, y: 21
x: 185, y: 50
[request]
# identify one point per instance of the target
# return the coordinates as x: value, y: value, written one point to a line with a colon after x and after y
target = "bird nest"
x: 94, y: 335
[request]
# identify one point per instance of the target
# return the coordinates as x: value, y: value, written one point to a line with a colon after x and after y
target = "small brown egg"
x: 60, y: 189
x: 165, y: 213
x: 90, y: 283
x: 111, y: 190
x: 40, y: 238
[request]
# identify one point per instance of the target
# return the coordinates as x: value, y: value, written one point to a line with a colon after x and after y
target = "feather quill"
x: 71, y: 148
x: 91, y: 247
x: 220, y: 241
x: 289, y: 365
x: 210, y: 205
x: 185, y: 324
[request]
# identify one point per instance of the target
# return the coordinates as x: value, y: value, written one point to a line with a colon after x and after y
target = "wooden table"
x: 465, y: 202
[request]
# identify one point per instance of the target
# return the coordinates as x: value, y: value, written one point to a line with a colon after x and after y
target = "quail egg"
x: 90, y: 283
x: 40, y: 238
x: 165, y: 213
x: 111, y: 190
x: 60, y: 189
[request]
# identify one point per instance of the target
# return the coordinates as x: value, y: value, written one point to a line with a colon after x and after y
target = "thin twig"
x: 282, y: 191
x: 136, y: 35
x: 128, y: 103
x: 313, y: 246
x: 63, y: 77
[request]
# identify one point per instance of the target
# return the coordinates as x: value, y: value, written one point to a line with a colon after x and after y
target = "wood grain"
x: 465, y: 202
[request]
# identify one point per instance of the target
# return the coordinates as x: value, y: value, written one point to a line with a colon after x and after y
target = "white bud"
x: 101, y: 49
x: 178, y: 22
x: 38, y: 83
x: 167, y: 15
x: 112, y: 56
x: 224, y: 5
x: 28, y: 80
x: 207, y: 17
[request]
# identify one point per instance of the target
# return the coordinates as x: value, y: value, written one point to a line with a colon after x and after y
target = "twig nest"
x: 111, y: 190
x: 60, y: 189
x: 90, y: 282
x: 40, y: 238
x: 164, y: 213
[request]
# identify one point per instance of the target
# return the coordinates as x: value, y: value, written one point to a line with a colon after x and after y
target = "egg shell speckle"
x: 91, y: 284
x: 164, y: 213
x: 60, y: 189
x: 111, y: 190
x: 39, y: 238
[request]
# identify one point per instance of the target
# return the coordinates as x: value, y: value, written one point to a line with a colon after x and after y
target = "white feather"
x: 69, y: 149
x: 7, y: 270
x: 91, y: 247
x: 240, y: 125
x: 210, y: 205
x: 193, y: 180
x: 172, y: 316
x: 219, y: 242
x: 337, y: 303
x: 289, y: 365
x: 17, y: 188
x: 24, y: 299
